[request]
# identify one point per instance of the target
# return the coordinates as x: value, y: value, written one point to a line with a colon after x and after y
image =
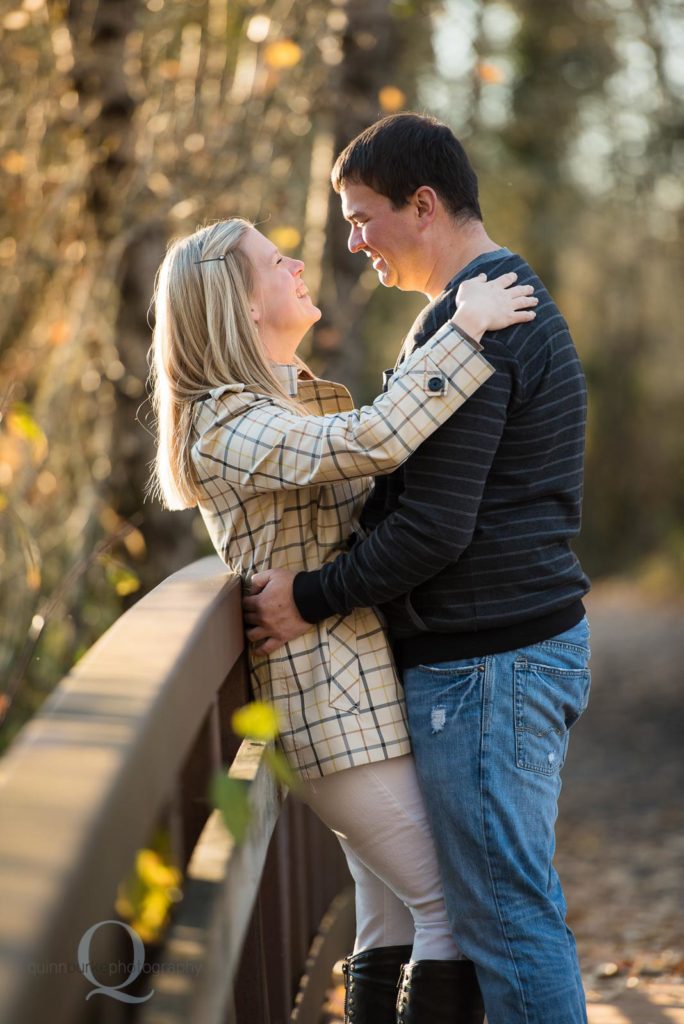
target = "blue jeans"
x: 490, y: 736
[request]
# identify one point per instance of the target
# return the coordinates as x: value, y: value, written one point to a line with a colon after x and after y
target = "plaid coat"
x: 279, y: 489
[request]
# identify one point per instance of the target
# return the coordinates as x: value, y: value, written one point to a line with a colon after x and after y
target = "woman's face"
x: 281, y: 305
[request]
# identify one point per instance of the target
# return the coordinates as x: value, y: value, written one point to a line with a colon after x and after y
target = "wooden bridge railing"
x: 126, y: 744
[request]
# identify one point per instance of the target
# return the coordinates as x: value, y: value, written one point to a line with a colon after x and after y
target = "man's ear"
x: 425, y: 202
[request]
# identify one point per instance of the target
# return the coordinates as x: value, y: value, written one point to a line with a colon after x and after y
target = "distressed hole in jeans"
x: 438, y: 719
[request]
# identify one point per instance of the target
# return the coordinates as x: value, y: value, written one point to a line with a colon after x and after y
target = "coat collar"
x: 289, y: 375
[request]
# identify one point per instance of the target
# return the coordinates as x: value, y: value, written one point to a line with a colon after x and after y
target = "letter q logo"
x: 114, y: 991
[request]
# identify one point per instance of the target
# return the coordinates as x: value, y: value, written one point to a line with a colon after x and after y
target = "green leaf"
x: 231, y: 798
x: 277, y: 762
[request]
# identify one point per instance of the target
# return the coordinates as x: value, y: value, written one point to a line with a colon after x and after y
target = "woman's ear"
x: 255, y: 314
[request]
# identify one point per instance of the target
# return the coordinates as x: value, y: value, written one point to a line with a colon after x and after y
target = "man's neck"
x: 458, y: 247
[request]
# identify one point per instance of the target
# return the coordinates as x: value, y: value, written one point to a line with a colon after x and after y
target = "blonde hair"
x: 204, y: 336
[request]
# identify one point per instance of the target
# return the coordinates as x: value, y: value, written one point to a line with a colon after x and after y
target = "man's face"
x: 389, y: 237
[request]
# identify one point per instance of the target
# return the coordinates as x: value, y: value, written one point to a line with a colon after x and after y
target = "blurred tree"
x: 143, y: 119
x: 125, y: 122
x: 384, y: 47
x: 107, y: 42
x: 561, y: 54
x: 573, y: 117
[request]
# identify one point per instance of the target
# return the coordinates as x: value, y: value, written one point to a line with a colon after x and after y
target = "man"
x: 468, y: 553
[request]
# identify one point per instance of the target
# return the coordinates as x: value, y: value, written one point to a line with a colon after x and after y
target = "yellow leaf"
x: 169, y: 69
x: 110, y: 519
x: 285, y: 237
x: 256, y: 721
x: 148, y: 935
x: 147, y: 864
x: 135, y: 544
x: 153, y: 871
x: 13, y: 162
x: 123, y: 580
x: 391, y: 99
x: 33, y: 577
x: 21, y: 424
x: 145, y: 896
x: 58, y: 332
x: 124, y: 907
x: 282, y: 54
x: 127, y: 584
x: 155, y: 909
x: 490, y: 74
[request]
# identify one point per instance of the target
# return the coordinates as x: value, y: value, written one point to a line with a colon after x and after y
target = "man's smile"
x: 376, y: 258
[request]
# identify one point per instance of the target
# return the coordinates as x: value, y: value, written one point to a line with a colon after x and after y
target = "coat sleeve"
x: 432, y: 524
x: 266, y: 447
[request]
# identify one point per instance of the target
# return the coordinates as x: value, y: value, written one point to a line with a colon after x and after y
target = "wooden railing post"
x: 129, y: 742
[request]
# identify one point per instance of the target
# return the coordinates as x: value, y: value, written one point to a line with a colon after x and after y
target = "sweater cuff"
x: 308, y: 595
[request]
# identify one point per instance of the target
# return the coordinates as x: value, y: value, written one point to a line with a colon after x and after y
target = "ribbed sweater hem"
x: 433, y: 648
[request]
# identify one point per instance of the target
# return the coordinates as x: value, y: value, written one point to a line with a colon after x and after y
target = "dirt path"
x: 620, y: 850
x: 621, y: 824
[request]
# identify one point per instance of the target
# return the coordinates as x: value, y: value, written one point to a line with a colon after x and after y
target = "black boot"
x: 370, y: 981
x: 439, y: 992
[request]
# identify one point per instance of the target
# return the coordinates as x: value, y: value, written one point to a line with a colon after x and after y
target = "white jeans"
x: 377, y: 813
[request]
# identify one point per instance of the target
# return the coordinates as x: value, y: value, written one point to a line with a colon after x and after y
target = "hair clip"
x: 210, y: 259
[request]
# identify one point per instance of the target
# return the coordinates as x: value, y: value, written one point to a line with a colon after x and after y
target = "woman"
x: 280, y: 465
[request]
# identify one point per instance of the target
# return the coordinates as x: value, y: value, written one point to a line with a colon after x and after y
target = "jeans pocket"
x: 437, y: 696
x: 548, y: 701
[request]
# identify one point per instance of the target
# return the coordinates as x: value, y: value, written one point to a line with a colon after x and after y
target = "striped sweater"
x: 468, y: 550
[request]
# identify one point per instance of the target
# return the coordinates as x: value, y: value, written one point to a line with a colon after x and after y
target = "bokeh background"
x: 125, y: 123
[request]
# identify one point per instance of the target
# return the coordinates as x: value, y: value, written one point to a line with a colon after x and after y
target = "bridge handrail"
x: 128, y: 740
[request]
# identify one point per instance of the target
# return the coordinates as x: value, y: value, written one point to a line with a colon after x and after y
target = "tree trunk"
x: 373, y: 40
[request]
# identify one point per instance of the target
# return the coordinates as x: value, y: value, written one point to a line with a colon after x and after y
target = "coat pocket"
x: 344, y: 668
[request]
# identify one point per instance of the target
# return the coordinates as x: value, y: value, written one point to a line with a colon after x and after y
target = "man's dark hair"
x: 398, y: 154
